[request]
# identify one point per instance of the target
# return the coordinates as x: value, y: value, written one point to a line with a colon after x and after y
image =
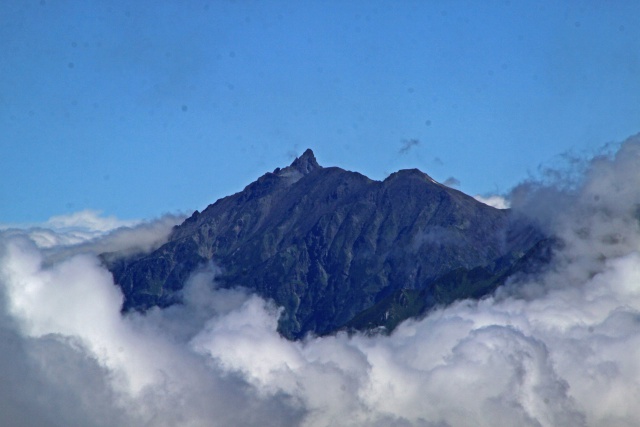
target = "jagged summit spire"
x: 306, y: 163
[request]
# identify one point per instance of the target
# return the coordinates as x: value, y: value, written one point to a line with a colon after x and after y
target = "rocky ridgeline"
x: 338, y: 250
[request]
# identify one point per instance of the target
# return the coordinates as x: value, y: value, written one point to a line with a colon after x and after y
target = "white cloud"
x: 145, y: 236
x: 560, y: 349
x: 495, y: 201
x: 87, y: 220
x: 71, y: 229
x: 137, y: 373
x: 89, y: 232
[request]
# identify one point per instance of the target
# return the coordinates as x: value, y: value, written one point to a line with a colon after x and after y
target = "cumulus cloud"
x: 84, y: 358
x: 560, y: 349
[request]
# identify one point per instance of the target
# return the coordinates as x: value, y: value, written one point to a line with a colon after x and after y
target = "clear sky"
x: 141, y: 108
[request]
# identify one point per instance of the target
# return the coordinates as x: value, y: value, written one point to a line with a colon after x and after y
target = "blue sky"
x: 140, y: 108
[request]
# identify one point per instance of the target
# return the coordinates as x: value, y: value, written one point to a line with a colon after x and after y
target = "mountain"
x: 330, y: 246
x: 457, y: 284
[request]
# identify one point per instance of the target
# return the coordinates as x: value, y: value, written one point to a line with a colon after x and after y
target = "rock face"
x: 328, y: 245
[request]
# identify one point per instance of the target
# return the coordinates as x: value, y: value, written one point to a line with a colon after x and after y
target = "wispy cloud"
x: 90, y: 232
x: 452, y: 182
x: 494, y: 200
x: 408, y: 144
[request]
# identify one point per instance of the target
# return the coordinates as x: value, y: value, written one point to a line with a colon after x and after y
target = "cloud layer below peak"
x: 561, y: 348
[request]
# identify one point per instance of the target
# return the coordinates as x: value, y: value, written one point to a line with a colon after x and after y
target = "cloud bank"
x: 560, y: 349
x: 68, y: 229
x: 89, y: 232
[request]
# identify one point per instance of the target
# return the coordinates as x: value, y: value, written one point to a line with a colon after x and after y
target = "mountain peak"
x: 336, y: 248
x: 411, y: 172
x: 306, y: 163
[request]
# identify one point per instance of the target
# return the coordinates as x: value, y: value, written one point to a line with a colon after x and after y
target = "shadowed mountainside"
x: 335, y: 249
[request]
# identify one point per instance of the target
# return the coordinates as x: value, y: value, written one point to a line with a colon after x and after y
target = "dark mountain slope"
x: 327, y: 244
x: 454, y: 285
